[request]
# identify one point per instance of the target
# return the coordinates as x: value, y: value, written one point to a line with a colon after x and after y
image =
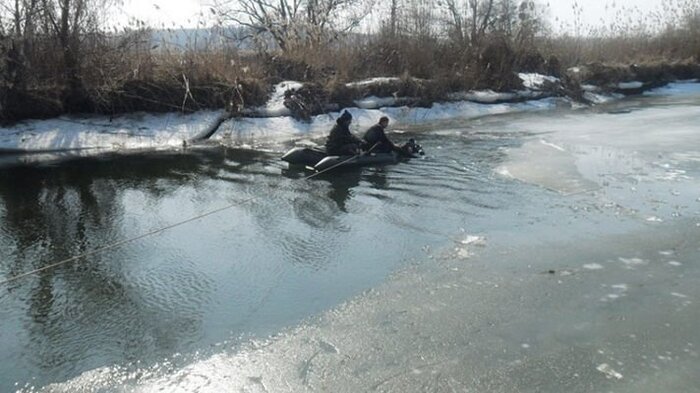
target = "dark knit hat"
x: 344, y: 117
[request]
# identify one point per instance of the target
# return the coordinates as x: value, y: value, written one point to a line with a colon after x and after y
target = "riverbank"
x: 290, y: 115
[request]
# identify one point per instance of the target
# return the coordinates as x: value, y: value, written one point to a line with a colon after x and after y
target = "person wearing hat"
x: 376, y: 137
x: 341, y: 142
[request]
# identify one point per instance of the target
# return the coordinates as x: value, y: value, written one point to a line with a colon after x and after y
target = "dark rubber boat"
x: 317, y: 159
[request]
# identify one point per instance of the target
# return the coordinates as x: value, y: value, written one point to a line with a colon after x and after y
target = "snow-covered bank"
x: 251, y: 130
x: 104, y: 134
x: 100, y: 134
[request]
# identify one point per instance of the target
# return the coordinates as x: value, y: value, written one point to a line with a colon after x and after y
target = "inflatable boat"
x: 317, y: 159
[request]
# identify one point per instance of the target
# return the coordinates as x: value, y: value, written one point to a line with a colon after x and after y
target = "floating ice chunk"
x: 620, y: 287
x: 654, y: 219
x: 666, y: 253
x: 680, y: 295
x: 672, y: 174
x: 593, y: 266
x: 474, y: 240
x: 464, y: 253
x: 525, y: 346
x: 609, y: 371
x: 632, y: 261
x: 466, y: 244
x: 552, y: 145
x: 548, y: 166
x: 503, y: 171
x: 674, y: 263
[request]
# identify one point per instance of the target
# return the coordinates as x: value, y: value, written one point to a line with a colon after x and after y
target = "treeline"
x: 62, y: 56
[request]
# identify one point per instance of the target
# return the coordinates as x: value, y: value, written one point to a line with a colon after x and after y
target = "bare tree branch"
x: 291, y: 24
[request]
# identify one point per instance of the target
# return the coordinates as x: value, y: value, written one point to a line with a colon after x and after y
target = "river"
x: 542, y: 251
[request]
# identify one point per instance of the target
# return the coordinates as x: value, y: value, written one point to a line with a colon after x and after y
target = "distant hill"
x: 200, y: 39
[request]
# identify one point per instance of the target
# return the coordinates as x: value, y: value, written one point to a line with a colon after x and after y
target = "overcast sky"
x: 187, y: 12
x: 595, y: 12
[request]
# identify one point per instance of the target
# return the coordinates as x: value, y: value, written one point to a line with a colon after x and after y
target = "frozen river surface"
x: 535, y: 252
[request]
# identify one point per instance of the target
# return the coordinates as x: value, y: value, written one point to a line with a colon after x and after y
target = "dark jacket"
x: 340, y: 136
x: 375, y: 135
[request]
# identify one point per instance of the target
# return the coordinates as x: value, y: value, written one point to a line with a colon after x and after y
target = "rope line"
x: 160, y: 230
x: 123, y: 242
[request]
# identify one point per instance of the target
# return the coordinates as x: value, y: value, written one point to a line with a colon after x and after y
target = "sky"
x: 174, y: 13
x: 171, y: 13
x: 595, y: 12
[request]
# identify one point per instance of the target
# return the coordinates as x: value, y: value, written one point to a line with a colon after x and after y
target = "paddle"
x: 356, y: 156
x: 370, y: 149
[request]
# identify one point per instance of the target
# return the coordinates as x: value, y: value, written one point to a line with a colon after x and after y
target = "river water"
x: 547, y: 251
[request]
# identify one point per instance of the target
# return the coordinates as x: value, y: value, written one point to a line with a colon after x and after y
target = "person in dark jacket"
x: 376, y: 139
x: 341, y: 142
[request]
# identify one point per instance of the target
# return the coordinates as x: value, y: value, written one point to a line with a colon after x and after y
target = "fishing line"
x: 125, y: 241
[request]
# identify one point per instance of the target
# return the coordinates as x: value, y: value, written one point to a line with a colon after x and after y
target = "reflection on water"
x: 288, y: 248
x: 341, y: 186
x: 84, y: 313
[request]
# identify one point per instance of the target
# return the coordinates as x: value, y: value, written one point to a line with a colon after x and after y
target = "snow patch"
x: 102, y: 133
x: 373, y: 81
x: 536, y: 81
x: 630, y: 85
x: 275, y: 105
x: 483, y: 96
x: 373, y: 102
x: 600, y: 98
